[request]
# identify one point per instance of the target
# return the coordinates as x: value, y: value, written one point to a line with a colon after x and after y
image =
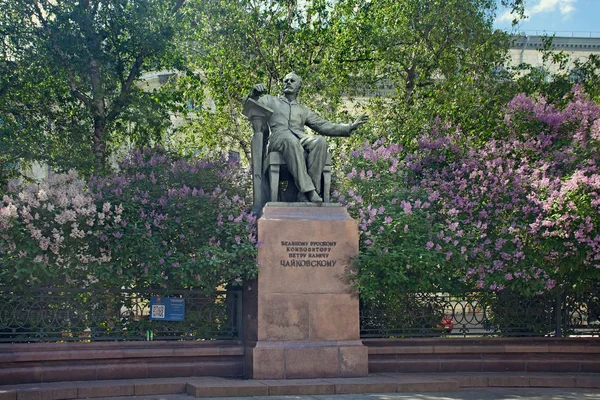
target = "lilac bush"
x: 185, y: 223
x: 160, y: 222
x: 49, y: 232
x: 520, y: 211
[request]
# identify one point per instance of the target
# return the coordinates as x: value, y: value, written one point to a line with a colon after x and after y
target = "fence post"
x: 239, y: 314
x: 558, y: 315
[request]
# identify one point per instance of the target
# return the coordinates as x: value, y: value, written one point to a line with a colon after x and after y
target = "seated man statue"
x: 288, y: 136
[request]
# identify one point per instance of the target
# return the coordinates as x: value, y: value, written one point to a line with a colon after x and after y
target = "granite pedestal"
x: 301, y: 315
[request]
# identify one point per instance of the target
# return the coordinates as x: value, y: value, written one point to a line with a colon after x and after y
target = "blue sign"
x: 167, y: 308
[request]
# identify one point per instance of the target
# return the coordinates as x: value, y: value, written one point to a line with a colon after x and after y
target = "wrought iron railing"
x: 58, y: 314
x: 482, y: 314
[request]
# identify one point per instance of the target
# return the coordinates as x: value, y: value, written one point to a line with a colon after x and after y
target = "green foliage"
x: 437, y: 59
x: 557, y: 85
x: 68, y: 76
x: 431, y: 59
x: 239, y: 44
x: 396, y: 225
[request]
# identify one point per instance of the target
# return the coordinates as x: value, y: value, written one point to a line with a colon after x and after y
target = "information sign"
x: 167, y: 308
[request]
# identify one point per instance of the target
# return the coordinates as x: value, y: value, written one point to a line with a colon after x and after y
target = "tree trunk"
x: 98, y: 113
x: 99, y: 146
x: 411, y: 77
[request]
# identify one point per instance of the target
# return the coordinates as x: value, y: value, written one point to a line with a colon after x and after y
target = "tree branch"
x: 63, y: 58
x: 272, y: 72
x: 178, y: 5
x: 8, y: 83
x: 126, y: 87
x: 95, y: 8
x: 353, y: 60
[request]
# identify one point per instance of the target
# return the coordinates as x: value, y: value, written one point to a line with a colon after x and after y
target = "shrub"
x: 160, y: 222
x: 49, y: 232
x: 184, y: 224
x: 519, y: 211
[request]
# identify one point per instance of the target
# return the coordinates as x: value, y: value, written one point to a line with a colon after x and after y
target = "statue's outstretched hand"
x: 359, y: 121
x: 258, y: 90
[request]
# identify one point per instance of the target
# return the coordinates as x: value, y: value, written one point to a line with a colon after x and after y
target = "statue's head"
x: 292, y: 83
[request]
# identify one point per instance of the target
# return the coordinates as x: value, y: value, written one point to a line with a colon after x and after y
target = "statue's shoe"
x: 314, y: 197
x: 302, y: 197
x: 311, y: 196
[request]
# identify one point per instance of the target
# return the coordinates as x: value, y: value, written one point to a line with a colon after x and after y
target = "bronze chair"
x: 274, y: 167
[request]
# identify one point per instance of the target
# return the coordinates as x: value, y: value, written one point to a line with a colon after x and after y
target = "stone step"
x: 579, y: 363
x: 205, y: 387
x: 58, y: 362
x: 227, y: 387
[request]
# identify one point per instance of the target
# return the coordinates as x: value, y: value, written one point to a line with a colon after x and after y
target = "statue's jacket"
x: 289, y: 116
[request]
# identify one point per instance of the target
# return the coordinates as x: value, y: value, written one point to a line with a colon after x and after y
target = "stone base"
x: 295, y: 360
x: 301, y: 315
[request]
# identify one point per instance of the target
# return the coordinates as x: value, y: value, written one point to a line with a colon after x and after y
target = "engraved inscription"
x: 308, y: 254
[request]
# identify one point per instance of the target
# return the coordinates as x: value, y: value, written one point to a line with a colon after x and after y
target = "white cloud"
x: 505, y: 17
x: 544, y: 6
x: 565, y: 7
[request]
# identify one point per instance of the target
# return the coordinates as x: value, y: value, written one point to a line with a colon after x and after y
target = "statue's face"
x: 291, y: 84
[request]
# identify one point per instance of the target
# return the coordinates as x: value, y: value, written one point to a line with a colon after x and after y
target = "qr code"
x: 158, y: 311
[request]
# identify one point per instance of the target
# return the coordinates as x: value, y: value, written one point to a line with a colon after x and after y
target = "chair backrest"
x: 258, y: 115
x: 266, y: 134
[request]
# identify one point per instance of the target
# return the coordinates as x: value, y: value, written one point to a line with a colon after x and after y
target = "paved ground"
x: 463, y: 394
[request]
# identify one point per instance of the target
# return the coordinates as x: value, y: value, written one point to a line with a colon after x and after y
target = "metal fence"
x: 58, y: 314
x: 482, y: 314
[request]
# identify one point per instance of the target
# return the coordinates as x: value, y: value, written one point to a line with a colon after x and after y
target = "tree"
x: 568, y: 71
x: 238, y: 44
x: 68, y: 76
x: 440, y: 58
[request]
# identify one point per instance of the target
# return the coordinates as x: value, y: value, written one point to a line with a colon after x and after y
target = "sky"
x: 563, y: 17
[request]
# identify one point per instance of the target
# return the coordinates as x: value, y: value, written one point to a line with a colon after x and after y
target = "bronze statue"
x: 304, y: 155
